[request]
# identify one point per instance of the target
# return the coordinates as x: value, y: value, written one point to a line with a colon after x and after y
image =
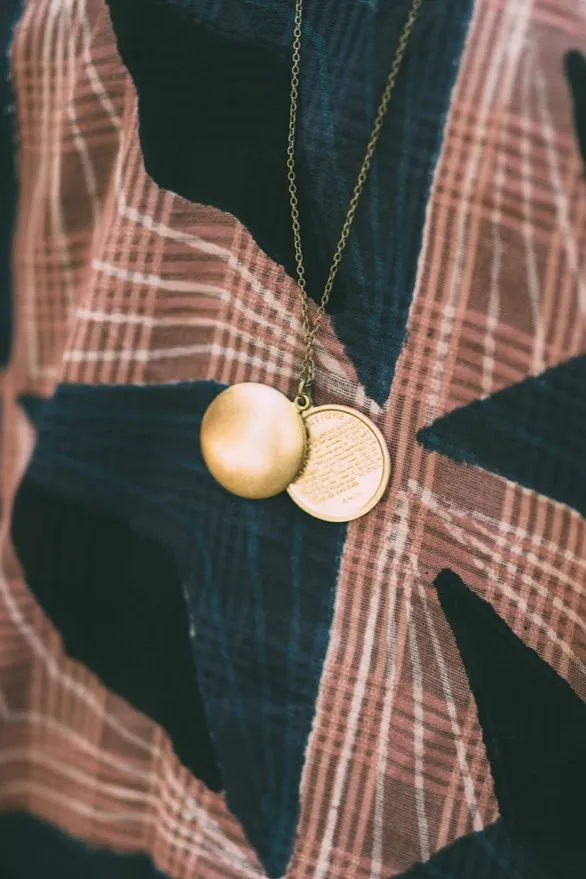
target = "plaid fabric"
x: 128, y: 284
x: 8, y: 14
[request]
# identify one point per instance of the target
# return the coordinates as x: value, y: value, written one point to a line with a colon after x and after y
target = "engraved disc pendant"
x: 253, y: 440
x: 348, y: 465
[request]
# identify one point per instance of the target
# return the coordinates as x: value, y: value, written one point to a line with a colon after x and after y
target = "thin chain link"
x: 310, y: 330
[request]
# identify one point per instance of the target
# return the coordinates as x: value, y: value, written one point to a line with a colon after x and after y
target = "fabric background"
x: 125, y: 290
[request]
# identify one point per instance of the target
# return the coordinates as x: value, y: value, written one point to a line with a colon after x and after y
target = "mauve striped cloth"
x: 192, y: 685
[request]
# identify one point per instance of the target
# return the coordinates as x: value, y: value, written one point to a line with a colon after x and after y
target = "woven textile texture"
x: 8, y: 15
x: 197, y: 686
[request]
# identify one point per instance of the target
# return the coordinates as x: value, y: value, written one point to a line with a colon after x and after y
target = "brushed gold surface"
x: 348, y: 465
x: 253, y: 440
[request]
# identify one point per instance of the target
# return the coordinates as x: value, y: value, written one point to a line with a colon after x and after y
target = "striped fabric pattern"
x: 130, y: 284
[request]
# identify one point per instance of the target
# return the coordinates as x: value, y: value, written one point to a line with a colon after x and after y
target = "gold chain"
x: 303, y: 399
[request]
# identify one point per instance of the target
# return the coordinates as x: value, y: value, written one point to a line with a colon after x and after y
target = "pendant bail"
x: 303, y: 399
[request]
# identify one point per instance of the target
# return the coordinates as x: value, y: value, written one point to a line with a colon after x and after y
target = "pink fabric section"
x: 120, y: 282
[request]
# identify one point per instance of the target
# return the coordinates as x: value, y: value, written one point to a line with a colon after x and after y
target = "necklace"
x: 256, y: 443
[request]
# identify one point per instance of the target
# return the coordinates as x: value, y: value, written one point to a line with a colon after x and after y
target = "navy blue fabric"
x: 213, y: 84
x: 490, y: 854
x: 575, y: 68
x: 33, y: 849
x: 534, y: 730
x: 8, y: 13
x: 33, y: 406
x: 258, y: 579
x: 534, y: 433
x: 117, y: 598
